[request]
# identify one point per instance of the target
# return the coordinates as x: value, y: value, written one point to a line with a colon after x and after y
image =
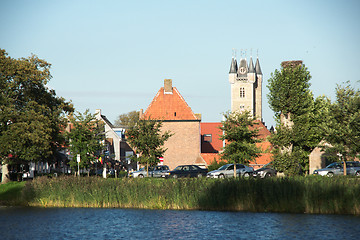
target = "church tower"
x: 246, y: 84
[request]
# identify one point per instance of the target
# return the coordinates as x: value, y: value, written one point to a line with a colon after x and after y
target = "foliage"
x: 86, y: 138
x: 289, y: 90
x: 342, y: 128
x: 32, y: 116
x: 146, y: 139
x: 240, y: 136
x: 215, y: 165
x: 127, y: 119
x: 298, y: 118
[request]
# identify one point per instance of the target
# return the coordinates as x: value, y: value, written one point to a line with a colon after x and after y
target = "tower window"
x: 242, y: 92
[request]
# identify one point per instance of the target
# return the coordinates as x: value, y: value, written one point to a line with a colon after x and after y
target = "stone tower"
x: 246, y: 84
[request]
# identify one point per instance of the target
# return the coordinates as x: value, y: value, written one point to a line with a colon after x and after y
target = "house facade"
x: 183, y: 147
x: 118, y: 151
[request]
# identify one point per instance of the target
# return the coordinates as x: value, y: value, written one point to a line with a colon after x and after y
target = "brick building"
x: 184, y: 146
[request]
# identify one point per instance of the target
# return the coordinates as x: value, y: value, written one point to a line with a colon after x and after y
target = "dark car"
x: 265, y: 172
x: 187, y: 171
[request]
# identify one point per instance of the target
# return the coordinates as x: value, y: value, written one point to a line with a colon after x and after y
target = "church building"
x: 246, y: 84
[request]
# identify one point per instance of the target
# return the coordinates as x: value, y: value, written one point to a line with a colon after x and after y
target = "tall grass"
x: 312, y: 194
x: 11, y: 194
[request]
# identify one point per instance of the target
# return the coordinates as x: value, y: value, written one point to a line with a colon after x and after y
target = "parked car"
x: 157, y: 171
x: 265, y: 172
x: 187, y: 171
x: 227, y: 171
x: 336, y: 168
x: 160, y: 171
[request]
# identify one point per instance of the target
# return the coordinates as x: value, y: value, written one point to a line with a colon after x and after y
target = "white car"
x: 336, y: 168
x: 227, y: 171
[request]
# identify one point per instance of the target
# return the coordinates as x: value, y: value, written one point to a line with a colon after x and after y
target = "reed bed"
x: 311, y: 194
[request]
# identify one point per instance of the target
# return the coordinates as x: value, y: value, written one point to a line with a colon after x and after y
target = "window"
x: 207, y: 137
x: 242, y: 106
x: 242, y: 92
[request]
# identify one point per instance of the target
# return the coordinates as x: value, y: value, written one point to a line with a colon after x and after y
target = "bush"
x: 215, y: 165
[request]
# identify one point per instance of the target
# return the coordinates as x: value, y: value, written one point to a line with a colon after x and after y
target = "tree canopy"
x: 298, y: 117
x: 146, y: 138
x: 127, y: 119
x: 241, y: 136
x: 86, y: 138
x: 342, y: 128
x: 289, y: 90
x: 32, y: 116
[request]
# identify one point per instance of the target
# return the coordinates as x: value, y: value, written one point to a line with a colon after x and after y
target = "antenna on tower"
x: 234, y: 53
x: 250, y: 52
x: 257, y: 53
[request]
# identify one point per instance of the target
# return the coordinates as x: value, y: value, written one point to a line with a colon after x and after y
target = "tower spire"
x: 251, y: 66
x: 233, y: 66
x: 257, y: 66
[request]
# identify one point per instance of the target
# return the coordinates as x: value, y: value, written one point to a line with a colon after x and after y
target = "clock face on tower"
x: 242, y: 70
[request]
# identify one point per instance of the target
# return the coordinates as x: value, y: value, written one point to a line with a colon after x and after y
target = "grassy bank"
x: 314, y: 194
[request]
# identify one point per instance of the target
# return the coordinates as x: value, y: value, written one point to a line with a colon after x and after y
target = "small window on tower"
x: 242, y: 92
x: 242, y: 106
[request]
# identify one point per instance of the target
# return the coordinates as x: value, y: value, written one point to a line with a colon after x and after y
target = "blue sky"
x: 114, y: 55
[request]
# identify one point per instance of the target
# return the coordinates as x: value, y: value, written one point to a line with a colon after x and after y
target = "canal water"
x: 85, y: 223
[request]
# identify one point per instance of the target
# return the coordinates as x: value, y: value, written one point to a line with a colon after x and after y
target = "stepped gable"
x: 168, y: 104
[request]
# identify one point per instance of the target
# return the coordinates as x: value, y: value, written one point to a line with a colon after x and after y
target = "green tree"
x: 241, y: 136
x: 86, y: 138
x: 342, y: 128
x: 32, y: 116
x: 146, y: 138
x: 298, y: 117
x: 127, y: 119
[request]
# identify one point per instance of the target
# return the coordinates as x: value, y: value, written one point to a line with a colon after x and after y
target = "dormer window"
x: 208, y: 138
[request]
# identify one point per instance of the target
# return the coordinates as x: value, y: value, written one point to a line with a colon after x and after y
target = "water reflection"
x: 82, y: 223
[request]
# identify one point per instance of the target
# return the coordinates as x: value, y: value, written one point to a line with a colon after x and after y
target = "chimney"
x: 291, y: 64
x: 168, y: 86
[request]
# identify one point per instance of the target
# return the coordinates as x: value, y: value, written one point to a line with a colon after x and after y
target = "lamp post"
x: 78, y: 162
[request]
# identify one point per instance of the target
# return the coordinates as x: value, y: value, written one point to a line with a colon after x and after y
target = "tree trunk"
x: 234, y: 170
x: 147, y: 169
x: 5, y: 174
x: 344, y: 167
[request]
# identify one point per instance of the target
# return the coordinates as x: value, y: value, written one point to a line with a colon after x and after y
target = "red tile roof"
x: 169, y: 106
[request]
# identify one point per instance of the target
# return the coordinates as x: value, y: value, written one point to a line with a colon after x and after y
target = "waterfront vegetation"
x: 311, y: 194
